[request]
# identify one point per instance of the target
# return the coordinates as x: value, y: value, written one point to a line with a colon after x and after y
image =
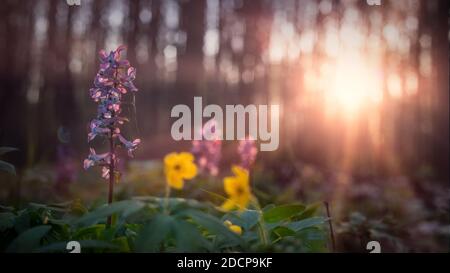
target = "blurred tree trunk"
x: 192, y: 22
x: 14, y: 71
x: 96, y: 34
x: 417, y: 103
x: 153, y: 35
x: 66, y: 112
x: 152, y: 66
x: 50, y: 66
x: 439, y: 37
x: 258, y: 21
x: 133, y: 30
x: 97, y: 29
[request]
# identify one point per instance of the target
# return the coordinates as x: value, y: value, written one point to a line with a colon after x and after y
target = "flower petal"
x: 236, y: 229
x: 170, y: 159
x: 243, y: 201
x: 228, y: 205
x: 189, y: 170
x: 186, y: 156
x: 240, y: 172
x: 174, y: 180
x: 229, y: 184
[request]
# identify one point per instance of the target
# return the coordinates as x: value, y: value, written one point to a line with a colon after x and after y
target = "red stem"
x: 111, y: 176
x: 333, y: 241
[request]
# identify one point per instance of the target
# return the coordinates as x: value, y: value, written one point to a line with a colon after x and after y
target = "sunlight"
x: 355, y: 83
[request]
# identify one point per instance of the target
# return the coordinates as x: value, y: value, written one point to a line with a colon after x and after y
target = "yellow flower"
x: 236, y: 229
x: 238, y: 189
x: 178, y: 167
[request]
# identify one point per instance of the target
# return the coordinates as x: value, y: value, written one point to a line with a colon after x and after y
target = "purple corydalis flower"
x: 247, y: 151
x: 105, y: 172
x: 96, y: 159
x: 97, y: 130
x: 113, y: 80
x: 113, y: 59
x: 129, y: 145
x: 208, y: 152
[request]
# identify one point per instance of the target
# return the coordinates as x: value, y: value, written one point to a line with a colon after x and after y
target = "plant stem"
x: 263, y: 233
x: 333, y: 241
x: 166, y: 200
x: 111, y: 175
x: 261, y: 223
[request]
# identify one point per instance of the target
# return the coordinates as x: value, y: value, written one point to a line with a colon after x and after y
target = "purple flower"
x: 96, y: 159
x: 128, y: 80
x: 113, y: 80
x: 129, y: 145
x: 112, y: 60
x: 96, y: 129
x: 105, y: 172
x: 247, y: 151
x: 208, y: 152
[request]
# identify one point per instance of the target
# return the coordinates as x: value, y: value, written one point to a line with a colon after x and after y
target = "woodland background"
x: 363, y: 92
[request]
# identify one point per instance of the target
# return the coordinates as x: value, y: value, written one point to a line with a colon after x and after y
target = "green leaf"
x: 310, y: 211
x: 246, y: 219
x: 174, y: 203
x: 251, y: 218
x: 23, y: 221
x: 89, y: 232
x: 212, y: 224
x: 7, y: 167
x: 132, y: 208
x: 306, y: 223
x: 4, y: 150
x: 28, y: 240
x: 312, y: 240
x: 102, y: 212
x: 283, y: 231
x: 280, y: 213
x: 7, y: 208
x: 268, y: 207
x: 122, y: 243
x: 188, y: 238
x: 6, y: 220
x: 153, y: 233
x: 109, y: 233
x: 47, y: 207
x: 271, y: 226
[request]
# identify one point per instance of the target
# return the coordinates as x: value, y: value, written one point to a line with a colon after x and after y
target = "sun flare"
x: 352, y: 84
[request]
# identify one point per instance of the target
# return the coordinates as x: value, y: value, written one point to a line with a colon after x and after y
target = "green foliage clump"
x: 149, y: 224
